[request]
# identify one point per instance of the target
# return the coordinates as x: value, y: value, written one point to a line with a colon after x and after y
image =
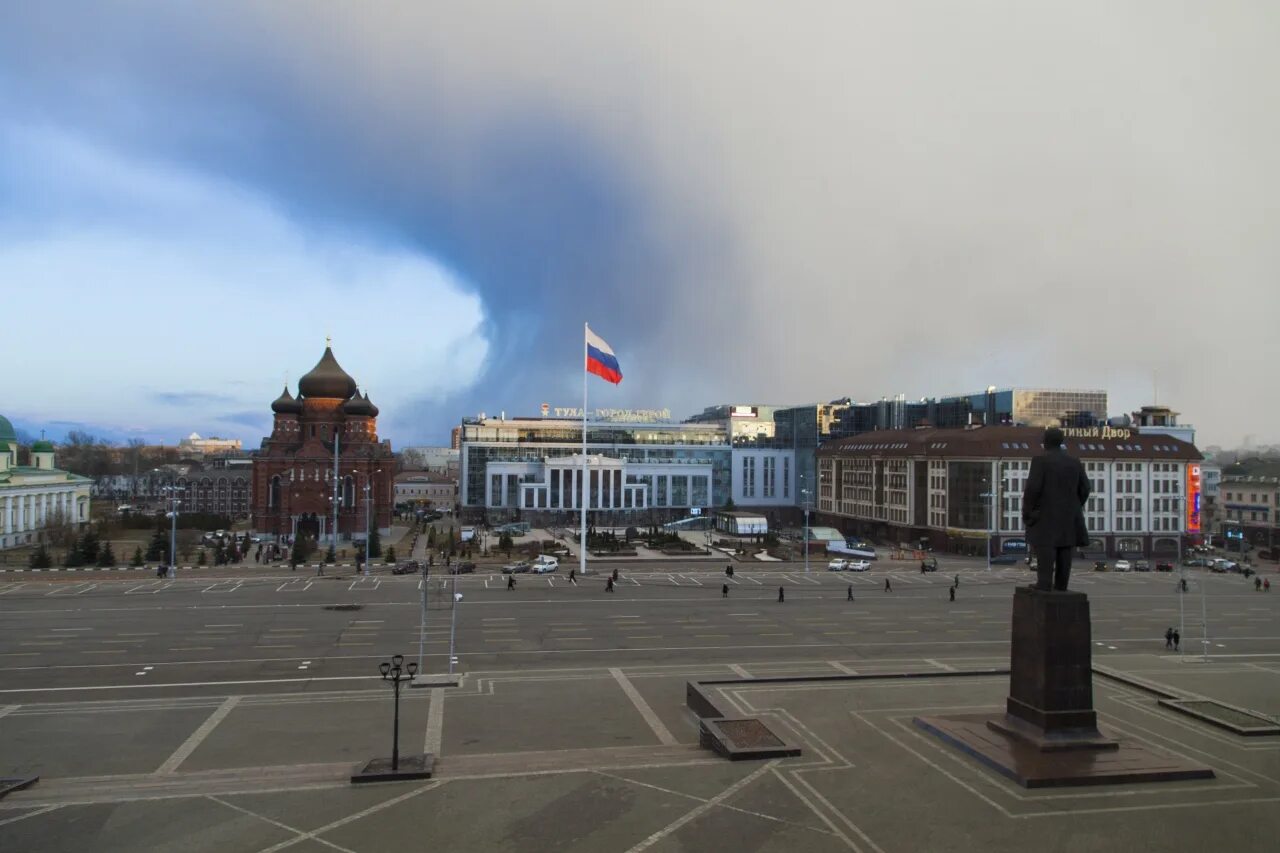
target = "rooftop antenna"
x: 328, y: 342
x: 1155, y: 387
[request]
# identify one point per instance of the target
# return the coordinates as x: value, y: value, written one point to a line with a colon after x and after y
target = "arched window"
x: 273, y: 493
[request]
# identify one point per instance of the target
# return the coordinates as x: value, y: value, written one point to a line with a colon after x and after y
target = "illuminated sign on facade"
x: 1193, y: 498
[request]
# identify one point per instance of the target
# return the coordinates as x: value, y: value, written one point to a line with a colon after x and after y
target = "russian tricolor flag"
x: 601, y: 360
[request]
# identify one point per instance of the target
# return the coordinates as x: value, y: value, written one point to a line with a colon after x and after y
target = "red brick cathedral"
x: 293, y: 487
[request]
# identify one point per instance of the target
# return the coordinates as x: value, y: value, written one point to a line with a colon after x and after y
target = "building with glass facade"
x: 533, y: 467
x: 954, y: 488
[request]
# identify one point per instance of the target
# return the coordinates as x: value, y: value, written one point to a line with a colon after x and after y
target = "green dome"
x: 6, y: 430
x: 42, y: 446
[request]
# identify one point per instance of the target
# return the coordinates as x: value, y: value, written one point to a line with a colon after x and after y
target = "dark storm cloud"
x: 790, y: 202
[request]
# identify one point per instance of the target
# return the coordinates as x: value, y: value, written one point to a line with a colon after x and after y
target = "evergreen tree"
x: 89, y: 545
x: 137, y: 557
x: 330, y: 556
x: 40, y: 558
x: 391, y: 555
x: 375, y: 543
x: 106, y: 556
x: 505, y: 543
x: 431, y: 536
x: 72, y: 558
x: 158, y: 547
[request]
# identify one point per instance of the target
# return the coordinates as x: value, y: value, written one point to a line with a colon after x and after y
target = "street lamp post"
x: 171, y: 496
x: 395, y: 671
x: 804, y: 496
x: 368, y: 487
x: 453, y: 624
x: 990, y: 507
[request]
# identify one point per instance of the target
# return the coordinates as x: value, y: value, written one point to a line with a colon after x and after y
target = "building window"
x: 786, y: 476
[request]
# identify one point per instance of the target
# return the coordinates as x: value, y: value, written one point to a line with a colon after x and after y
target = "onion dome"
x: 42, y: 446
x: 286, y: 404
x: 373, y: 410
x: 327, y: 380
x: 358, y: 406
x: 6, y: 430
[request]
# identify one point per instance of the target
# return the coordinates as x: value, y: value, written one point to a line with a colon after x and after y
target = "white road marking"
x: 742, y: 673
x: 655, y: 724
x: 197, y: 737
x: 835, y: 664
x: 313, y: 834
x: 694, y: 814
x: 939, y: 664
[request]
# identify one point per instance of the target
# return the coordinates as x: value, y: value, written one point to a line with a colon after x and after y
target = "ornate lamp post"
x: 396, y: 671
x: 418, y: 766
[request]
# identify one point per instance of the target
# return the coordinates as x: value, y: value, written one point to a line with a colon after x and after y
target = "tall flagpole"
x: 586, y: 483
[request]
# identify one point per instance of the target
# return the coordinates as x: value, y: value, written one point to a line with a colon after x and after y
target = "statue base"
x: 1049, y: 735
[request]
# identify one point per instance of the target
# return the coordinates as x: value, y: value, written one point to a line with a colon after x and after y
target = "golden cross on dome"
x: 328, y: 341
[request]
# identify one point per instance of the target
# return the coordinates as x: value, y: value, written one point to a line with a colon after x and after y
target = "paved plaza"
x: 226, y: 712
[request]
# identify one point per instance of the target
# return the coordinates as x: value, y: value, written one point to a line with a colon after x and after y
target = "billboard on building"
x: 743, y: 412
x: 1193, y: 498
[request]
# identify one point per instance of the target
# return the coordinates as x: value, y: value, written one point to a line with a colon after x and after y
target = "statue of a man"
x: 1053, y: 511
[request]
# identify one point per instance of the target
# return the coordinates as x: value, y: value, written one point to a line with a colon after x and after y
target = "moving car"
x: 409, y: 567
x: 859, y: 566
x: 545, y: 565
x: 929, y: 564
x: 1141, y: 566
x: 1123, y: 565
x: 838, y: 565
x: 462, y: 568
x: 519, y: 567
x: 1100, y: 566
x: 1004, y: 560
x: 1164, y: 567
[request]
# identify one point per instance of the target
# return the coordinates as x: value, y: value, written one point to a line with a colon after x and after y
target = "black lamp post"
x: 396, y: 671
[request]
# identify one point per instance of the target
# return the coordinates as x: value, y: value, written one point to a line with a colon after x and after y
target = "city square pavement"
x: 227, y: 711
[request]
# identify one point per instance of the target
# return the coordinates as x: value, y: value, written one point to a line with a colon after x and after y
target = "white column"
x: 21, y: 519
x: 488, y: 489
x: 5, y: 527
x: 608, y: 488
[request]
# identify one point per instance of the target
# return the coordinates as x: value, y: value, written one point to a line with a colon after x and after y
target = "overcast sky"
x: 751, y: 202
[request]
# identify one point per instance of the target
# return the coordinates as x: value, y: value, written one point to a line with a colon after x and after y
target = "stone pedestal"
x: 1049, y: 734
x: 1050, y: 702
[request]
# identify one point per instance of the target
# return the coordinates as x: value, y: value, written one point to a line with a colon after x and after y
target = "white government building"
x: 32, y: 496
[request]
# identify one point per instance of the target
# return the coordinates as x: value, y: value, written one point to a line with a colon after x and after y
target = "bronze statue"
x: 1053, y: 511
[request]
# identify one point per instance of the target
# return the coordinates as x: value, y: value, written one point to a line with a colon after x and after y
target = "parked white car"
x: 545, y: 565
x: 859, y: 565
x: 838, y: 565
x: 1123, y: 565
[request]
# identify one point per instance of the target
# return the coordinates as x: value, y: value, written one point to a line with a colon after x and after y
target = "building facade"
x: 35, y: 497
x: 328, y: 431
x: 534, y: 467
x: 195, y: 447
x: 221, y: 491
x: 426, y: 490
x: 951, y: 489
x: 1249, y: 501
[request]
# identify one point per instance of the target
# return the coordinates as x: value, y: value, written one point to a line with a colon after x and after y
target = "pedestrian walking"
x: 1257, y: 584
x: 888, y: 587
x: 511, y: 581
x: 782, y: 594
x: 573, y: 576
x: 1168, y: 638
x: 957, y: 581
x: 724, y: 591
x: 615, y: 575
x: 1177, y: 639
x: 608, y: 585
x: 1266, y: 585
x: 320, y: 569
x: 849, y: 595
x: 922, y: 568
x: 952, y: 590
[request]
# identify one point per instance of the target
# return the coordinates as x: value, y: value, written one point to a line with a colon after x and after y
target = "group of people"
x: 1172, y: 638
x: 1261, y: 584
